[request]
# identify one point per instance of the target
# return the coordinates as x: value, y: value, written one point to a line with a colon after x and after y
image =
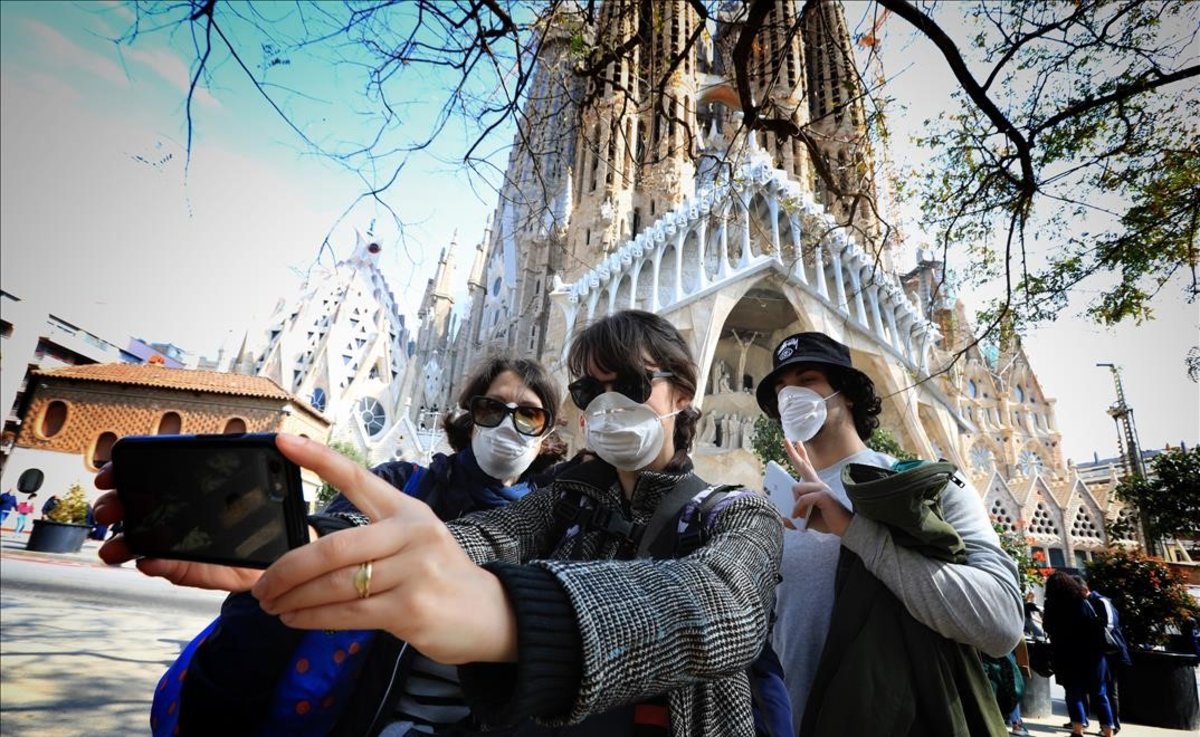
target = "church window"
x: 640, y: 143
x: 1019, y: 392
x: 54, y: 417
x: 972, y: 389
x: 1085, y: 526
x: 1057, y: 558
x: 496, y: 287
x: 1081, y: 558
x: 372, y: 416
x: 1043, y: 523
x: 346, y: 360
x: 1001, y: 516
x: 1030, y: 462
x: 981, y: 457
x: 637, y: 221
x: 587, y: 239
x: 318, y: 399
x: 234, y: 425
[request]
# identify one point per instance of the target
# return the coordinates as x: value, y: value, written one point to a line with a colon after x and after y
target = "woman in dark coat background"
x: 1079, y: 663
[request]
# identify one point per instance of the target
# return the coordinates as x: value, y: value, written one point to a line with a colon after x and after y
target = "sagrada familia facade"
x: 639, y: 187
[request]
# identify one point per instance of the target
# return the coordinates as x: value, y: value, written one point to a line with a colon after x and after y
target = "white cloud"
x: 56, y: 47
x: 173, y: 70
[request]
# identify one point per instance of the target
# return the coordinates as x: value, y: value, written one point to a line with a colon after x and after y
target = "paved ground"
x: 77, y: 661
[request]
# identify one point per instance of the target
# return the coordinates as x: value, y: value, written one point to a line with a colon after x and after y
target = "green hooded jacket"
x: 882, y: 671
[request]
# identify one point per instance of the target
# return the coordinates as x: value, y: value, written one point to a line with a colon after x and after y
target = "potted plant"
x: 1159, y: 689
x: 65, y: 526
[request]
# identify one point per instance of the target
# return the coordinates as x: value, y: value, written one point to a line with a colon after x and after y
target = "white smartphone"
x: 778, y: 484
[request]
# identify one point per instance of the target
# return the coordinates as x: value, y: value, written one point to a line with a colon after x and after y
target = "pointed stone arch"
x: 693, y: 277
x: 1002, y: 505
x: 1046, y: 527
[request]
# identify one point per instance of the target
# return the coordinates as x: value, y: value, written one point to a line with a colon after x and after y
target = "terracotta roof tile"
x: 172, y: 378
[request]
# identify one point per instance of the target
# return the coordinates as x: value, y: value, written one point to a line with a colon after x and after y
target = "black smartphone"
x: 228, y: 499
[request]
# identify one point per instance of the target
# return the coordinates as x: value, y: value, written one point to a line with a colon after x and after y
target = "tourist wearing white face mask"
x: 827, y: 410
x: 245, y: 676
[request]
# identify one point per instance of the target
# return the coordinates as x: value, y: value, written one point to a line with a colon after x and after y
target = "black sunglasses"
x: 636, y: 386
x: 529, y: 420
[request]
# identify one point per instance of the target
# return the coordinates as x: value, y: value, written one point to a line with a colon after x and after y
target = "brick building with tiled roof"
x: 76, y: 413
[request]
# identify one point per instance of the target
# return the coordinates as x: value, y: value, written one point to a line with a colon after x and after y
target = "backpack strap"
x: 663, y: 537
x: 413, y: 482
x: 658, y: 538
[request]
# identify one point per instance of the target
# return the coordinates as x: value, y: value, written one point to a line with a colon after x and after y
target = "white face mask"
x: 626, y: 434
x: 802, y: 412
x: 502, y: 452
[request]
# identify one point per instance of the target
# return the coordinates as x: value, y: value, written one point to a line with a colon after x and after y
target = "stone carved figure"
x: 743, y: 347
x: 734, y: 436
x: 720, y: 377
x: 708, y: 429
x: 748, y: 434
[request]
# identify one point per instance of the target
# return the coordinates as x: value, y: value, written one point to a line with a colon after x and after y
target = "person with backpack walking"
x: 1076, y: 637
x: 247, y: 673
x: 968, y: 594
x: 1116, y: 650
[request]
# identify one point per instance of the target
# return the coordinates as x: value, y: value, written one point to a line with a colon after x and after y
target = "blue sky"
x: 96, y: 219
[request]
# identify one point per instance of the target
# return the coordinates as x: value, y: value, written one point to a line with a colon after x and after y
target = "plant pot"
x: 1159, y: 690
x: 56, y: 537
x: 1037, y: 702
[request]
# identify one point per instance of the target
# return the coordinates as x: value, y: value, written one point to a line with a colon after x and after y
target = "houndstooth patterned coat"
x: 688, y: 627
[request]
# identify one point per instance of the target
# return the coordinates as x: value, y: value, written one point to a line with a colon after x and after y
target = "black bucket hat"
x: 816, y: 348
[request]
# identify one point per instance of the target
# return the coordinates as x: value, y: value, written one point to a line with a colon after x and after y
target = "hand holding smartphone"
x: 778, y: 484
x: 229, y: 499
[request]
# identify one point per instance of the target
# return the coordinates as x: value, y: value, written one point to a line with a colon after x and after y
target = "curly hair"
x: 622, y: 342
x: 1062, y: 586
x: 859, y: 391
x: 458, y: 423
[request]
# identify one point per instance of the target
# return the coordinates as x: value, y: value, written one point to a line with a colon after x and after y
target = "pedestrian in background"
x: 8, y: 502
x: 1076, y: 635
x: 1116, y: 656
x: 24, y: 509
x: 50, y: 504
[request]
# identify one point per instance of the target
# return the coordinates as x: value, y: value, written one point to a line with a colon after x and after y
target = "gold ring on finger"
x: 362, y: 580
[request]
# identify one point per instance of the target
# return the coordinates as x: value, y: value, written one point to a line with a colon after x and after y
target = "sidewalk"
x: 12, y: 543
x: 1052, y: 725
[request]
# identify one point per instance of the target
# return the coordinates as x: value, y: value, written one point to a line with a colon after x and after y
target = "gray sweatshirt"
x: 978, y: 603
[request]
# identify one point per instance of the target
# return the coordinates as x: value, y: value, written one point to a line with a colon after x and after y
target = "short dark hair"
x: 859, y: 391
x: 458, y: 424
x: 621, y: 343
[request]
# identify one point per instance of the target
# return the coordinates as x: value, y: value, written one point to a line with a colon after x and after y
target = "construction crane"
x: 1127, y: 439
x: 1130, y: 447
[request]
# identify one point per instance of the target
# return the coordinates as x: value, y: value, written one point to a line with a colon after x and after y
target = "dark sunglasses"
x: 529, y: 420
x: 636, y: 386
